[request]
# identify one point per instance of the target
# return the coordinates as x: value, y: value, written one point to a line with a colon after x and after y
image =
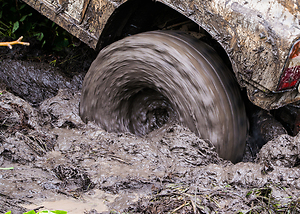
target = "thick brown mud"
x: 58, y: 160
x: 35, y: 81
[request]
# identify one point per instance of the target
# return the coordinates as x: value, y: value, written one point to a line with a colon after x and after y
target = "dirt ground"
x: 59, y: 162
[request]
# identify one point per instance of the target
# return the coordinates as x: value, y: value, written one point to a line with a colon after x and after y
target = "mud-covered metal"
x: 85, y: 19
x: 257, y: 35
x: 75, y: 9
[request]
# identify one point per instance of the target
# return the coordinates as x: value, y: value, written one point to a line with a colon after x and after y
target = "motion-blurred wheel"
x: 142, y: 82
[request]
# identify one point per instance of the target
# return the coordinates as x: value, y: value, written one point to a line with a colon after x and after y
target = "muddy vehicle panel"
x: 257, y: 36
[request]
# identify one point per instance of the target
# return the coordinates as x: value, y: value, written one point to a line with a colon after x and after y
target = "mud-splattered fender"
x: 257, y: 35
x: 85, y: 19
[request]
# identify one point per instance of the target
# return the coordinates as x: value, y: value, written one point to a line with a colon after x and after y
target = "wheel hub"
x: 149, y: 110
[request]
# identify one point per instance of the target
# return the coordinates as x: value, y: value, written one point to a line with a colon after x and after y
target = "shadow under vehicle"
x: 168, y: 61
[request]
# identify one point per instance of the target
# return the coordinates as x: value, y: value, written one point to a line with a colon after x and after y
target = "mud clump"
x: 57, y: 157
x: 283, y: 151
x: 72, y: 178
x: 35, y: 82
x: 264, y: 127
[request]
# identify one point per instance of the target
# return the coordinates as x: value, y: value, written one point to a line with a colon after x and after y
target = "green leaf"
x: 44, y: 42
x: 15, y: 27
x: 249, y: 193
x: 53, y: 62
x: 39, y: 36
x: 8, y: 167
x: 9, y: 212
x: 59, y: 212
x: 53, y: 212
x: 30, y: 212
x: 22, y: 6
x: 23, y: 18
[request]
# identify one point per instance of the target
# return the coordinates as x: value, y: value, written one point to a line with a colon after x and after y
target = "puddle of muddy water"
x: 87, y: 202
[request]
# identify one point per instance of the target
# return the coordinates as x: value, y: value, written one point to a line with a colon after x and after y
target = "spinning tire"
x: 144, y: 81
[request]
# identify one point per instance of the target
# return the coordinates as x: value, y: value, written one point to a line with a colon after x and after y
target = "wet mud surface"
x: 62, y: 163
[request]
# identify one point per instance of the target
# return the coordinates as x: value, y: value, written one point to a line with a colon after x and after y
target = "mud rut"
x: 62, y: 163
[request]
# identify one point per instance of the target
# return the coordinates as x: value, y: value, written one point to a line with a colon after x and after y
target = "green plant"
x: 18, y: 19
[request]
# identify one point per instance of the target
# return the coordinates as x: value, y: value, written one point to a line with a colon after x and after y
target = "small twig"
x: 213, y: 200
x: 65, y: 193
x: 118, y: 159
x: 178, y: 208
x: 193, y: 204
x: 17, y: 42
x: 36, y: 209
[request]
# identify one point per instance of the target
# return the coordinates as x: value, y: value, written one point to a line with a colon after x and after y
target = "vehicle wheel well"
x: 135, y: 16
